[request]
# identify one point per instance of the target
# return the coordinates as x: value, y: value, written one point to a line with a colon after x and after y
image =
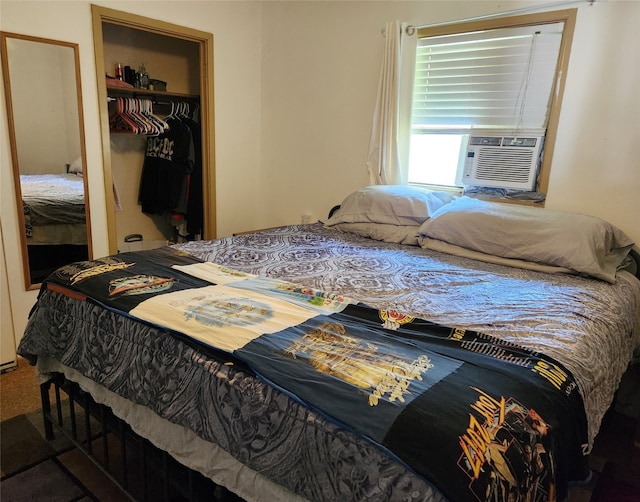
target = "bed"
x: 395, y: 365
x: 55, y: 220
x: 54, y: 208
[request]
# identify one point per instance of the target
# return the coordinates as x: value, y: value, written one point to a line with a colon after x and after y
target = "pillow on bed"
x: 389, y: 204
x: 76, y: 166
x: 398, y: 234
x: 583, y: 244
x: 445, y: 247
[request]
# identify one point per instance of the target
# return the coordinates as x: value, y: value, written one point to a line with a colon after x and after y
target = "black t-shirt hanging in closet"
x: 166, y: 165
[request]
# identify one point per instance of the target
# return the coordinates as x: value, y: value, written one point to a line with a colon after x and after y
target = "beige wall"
x: 596, y: 168
x: 295, y: 85
x: 320, y: 70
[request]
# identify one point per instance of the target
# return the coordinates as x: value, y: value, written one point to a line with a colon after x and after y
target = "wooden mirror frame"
x: 4, y: 36
x: 204, y: 40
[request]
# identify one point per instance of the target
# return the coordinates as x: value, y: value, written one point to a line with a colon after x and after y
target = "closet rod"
x: 410, y: 30
x: 155, y: 101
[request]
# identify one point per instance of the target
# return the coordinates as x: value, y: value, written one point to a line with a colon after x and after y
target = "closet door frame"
x: 204, y: 40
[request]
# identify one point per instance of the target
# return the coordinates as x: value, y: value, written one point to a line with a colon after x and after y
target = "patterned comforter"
x: 567, y: 318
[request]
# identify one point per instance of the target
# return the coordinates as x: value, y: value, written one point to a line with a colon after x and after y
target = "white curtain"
x: 388, y: 157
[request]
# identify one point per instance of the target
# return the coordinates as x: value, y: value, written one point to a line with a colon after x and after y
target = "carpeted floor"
x: 19, y: 390
x: 34, y: 469
x: 54, y: 485
x: 25, y: 454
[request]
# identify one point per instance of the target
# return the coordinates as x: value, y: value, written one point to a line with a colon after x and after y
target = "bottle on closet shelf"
x: 144, y: 77
x: 129, y: 75
x: 119, y: 71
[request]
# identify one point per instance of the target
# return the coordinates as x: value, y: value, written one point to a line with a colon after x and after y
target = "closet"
x: 178, y: 62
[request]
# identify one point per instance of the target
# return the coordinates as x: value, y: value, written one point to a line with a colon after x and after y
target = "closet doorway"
x: 178, y: 63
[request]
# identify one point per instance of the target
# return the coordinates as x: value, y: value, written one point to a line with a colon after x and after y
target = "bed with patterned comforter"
x: 399, y: 373
x: 54, y: 208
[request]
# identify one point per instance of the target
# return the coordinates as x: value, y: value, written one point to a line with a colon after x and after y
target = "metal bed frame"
x: 141, y: 470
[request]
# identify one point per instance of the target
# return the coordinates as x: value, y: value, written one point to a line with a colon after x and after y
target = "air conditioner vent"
x: 500, y: 165
x: 500, y: 162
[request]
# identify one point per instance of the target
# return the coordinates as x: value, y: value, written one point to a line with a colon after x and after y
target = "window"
x: 489, y: 93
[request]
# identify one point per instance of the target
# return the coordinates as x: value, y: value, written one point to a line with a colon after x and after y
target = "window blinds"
x: 494, y: 79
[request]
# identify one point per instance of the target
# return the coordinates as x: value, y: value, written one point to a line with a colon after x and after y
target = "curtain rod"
x: 410, y: 30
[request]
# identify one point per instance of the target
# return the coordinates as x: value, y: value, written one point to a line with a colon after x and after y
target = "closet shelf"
x: 146, y: 93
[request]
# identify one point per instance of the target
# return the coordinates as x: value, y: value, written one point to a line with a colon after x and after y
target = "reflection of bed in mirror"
x: 55, y: 220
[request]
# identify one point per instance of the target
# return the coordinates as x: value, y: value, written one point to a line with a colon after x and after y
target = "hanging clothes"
x: 195, y: 212
x: 169, y: 160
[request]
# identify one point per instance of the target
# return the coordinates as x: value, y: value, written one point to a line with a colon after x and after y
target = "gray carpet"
x: 53, y: 485
x: 22, y: 445
x: 29, y: 465
x: 34, y: 469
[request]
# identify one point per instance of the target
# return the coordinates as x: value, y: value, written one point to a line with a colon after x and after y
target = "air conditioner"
x: 502, y: 161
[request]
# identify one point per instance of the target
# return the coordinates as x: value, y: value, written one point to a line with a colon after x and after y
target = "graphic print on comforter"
x: 480, y: 419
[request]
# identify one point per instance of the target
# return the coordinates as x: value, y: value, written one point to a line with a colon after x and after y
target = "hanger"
x: 184, y: 109
x: 147, y: 125
x: 120, y: 121
x: 130, y: 112
x: 173, y: 113
x: 159, y: 125
x: 135, y: 115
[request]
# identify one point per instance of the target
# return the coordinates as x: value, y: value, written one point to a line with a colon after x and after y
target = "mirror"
x: 44, y: 112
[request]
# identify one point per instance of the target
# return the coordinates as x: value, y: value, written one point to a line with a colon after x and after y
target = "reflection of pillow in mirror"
x: 584, y: 244
x: 390, y: 204
x: 76, y: 166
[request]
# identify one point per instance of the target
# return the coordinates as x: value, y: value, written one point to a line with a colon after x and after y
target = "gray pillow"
x: 398, y: 234
x: 389, y: 204
x: 76, y: 166
x: 583, y: 244
x: 445, y: 247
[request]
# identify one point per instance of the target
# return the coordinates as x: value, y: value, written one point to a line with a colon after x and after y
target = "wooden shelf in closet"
x: 146, y: 93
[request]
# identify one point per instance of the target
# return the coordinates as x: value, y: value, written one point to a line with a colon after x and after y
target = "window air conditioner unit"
x: 502, y: 161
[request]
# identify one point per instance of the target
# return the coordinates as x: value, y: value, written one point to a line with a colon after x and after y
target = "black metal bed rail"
x: 141, y: 470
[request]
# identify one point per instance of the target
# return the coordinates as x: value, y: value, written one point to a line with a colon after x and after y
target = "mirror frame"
x: 29, y: 285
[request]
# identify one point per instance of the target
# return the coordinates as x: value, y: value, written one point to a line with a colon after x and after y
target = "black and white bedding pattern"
x: 567, y: 316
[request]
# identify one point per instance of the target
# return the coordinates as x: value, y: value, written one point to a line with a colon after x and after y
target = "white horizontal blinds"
x: 499, y: 78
